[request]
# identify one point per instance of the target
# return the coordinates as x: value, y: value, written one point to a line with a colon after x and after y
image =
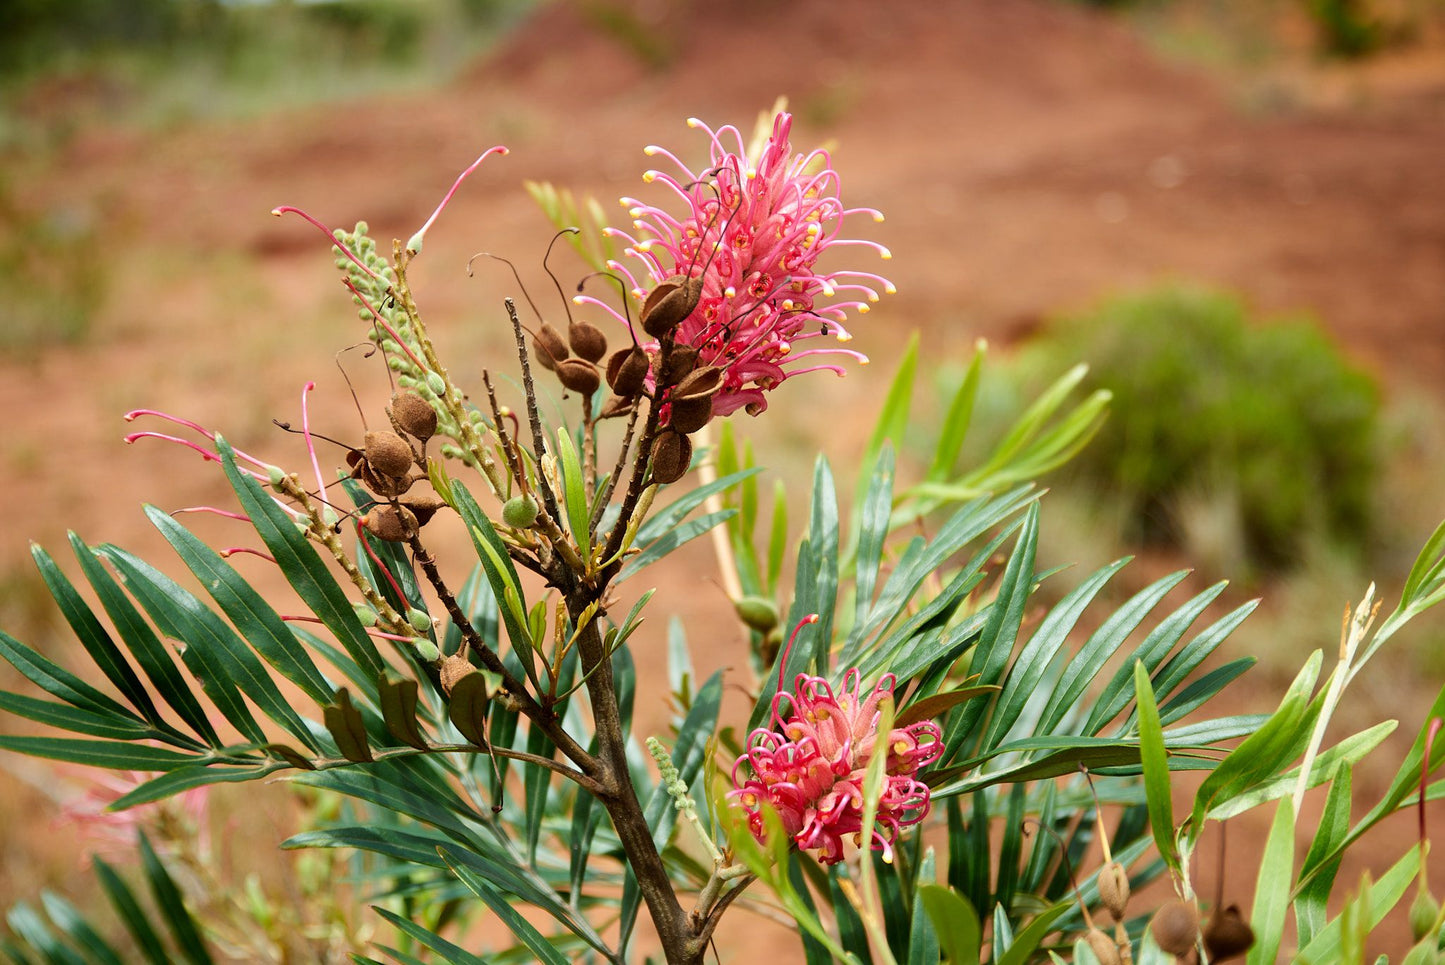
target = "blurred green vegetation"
x: 166, y: 61
x: 1254, y: 434
x: 61, y: 274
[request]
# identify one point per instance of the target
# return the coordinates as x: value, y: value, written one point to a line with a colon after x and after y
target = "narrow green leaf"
x: 148, y: 650
x: 172, y: 907
x: 347, y: 728
x: 97, y: 753
x: 77, y: 721
x: 1385, y: 894
x: 663, y: 521
x: 1157, y: 784
x: 222, y: 660
x: 520, y: 928
x: 92, y: 635
x: 302, y: 566
x: 1272, y: 887
x: 248, y: 612
x: 181, y: 779
x: 872, y: 532
x: 24, y: 921
x: 957, y: 925
x: 450, y: 953
x: 147, y: 942
x: 671, y: 540
x: 1026, y: 943
x: 1334, y: 824
x: 893, y: 417
x: 574, y: 496
x: 69, y: 920
x: 57, y: 681
x: 956, y: 422
x: 777, y: 536
x: 933, y: 706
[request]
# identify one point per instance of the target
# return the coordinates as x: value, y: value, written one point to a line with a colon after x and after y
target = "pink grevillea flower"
x: 810, y: 767
x: 754, y: 229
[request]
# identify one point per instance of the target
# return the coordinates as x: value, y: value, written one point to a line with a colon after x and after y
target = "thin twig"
x: 621, y: 464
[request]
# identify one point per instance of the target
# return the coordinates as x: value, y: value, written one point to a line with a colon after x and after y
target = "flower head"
x: 753, y: 232
x: 810, y: 767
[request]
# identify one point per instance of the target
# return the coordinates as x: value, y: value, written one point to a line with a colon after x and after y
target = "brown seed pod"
x: 703, y: 381
x: 690, y: 415
x: 414, y: 415
x: 1105, y: 949
x: 391, y: 523
x: 388, y: 453
x: 680, y: 362
x: 615, y: 406
x: 1227, y: 935
x: 587, y: 340
x: 424, y: 505
x: 1175, y: 926
x: 553, y: 348
x: 1114, y: 889
x: 454, y: 668
x: 627, y: 371
x: 670, y: 303
x: 579, y: 375
x: 671, y: 456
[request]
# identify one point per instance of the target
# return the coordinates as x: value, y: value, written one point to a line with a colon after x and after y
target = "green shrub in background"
x: 1264, y: 415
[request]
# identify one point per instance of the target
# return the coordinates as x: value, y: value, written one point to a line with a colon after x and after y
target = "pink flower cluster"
x: 812, y: 773
x: 754, y: 231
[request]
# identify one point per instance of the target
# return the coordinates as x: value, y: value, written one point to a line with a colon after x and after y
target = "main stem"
x: 674, y: 925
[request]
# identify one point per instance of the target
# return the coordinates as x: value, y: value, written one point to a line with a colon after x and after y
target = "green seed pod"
x: 1227, y: 935
x: 1424, y: 913
x: 437, y: 384
x: 427, y: 650
x: 1175, y: 927
x: 1114, y: 889
x: 520, y: 512
x: 419, y: 619
x: 587, y: 340
x: 758, y: 612
x: 579, y: 375
x: 365, y: 614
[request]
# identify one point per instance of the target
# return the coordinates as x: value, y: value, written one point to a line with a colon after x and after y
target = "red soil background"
x: 1030, y: 156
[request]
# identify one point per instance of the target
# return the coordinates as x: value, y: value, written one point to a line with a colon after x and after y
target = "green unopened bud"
x: 1424, y: 914
x: 519, y: 512
x: 365, y: 614
x: 419, y: 619
x: 436, y: 383
x: 758, y: 612
x: 275, y: 476
x: 427, y: 650
x: 414, y: 245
